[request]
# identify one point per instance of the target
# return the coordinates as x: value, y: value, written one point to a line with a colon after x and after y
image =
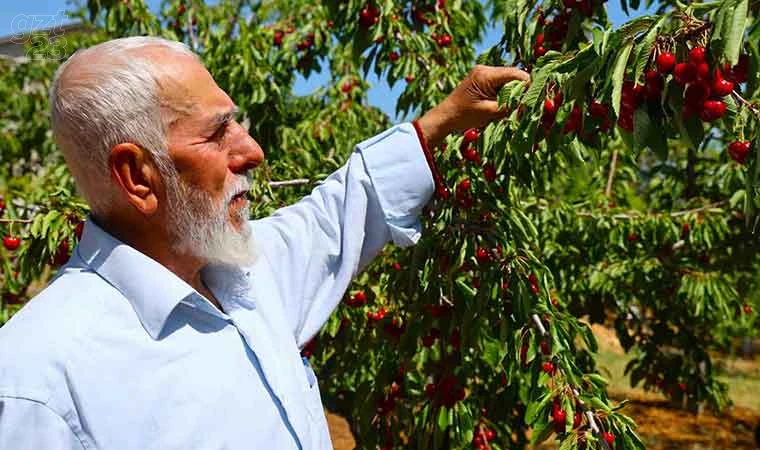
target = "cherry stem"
x: 749, y: 105
x: 16, y: 220
x: 483, y: 436
x: 611, y: 175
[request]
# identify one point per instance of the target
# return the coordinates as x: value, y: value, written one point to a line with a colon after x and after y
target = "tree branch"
x: 749, y: 105
x: 629, y: 216
x: 294, y: 182
x: 611, y: 175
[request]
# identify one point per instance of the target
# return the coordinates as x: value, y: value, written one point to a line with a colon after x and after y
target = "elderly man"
x: 177, y: 322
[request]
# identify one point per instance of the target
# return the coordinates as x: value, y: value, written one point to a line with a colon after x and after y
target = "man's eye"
x: 218, y: 133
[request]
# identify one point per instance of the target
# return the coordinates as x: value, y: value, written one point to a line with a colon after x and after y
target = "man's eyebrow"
x: 219, y: 119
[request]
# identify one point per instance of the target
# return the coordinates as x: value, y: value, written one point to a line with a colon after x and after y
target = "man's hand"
x: 472, y: 104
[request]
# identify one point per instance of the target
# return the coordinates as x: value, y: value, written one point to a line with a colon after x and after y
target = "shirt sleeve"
x: 29, y: 424
x: 316, y: 246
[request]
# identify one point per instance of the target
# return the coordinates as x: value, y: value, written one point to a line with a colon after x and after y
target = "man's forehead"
x: 188, y: 89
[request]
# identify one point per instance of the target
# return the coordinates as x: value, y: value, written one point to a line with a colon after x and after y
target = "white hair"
x: 113, y: 97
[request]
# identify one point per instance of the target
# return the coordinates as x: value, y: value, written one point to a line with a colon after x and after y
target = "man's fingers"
x: 503, y: 75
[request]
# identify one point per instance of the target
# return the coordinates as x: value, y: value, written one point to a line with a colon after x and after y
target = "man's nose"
x: 245, y: 152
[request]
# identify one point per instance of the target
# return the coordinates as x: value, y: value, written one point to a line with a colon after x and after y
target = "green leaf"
x: 618, y: 76
x: 730, y: 31
x: 443, y: 418
x: 493, y: 351
x: 541, y: 432
x: 641, y: 127
x: 644, y: 49
x: 537, y: 83
x: 535, y: 408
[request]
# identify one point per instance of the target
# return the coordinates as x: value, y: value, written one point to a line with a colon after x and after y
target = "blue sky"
x: 380, y: 94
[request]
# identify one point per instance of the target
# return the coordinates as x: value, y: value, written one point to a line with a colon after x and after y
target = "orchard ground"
x: 662, y: 426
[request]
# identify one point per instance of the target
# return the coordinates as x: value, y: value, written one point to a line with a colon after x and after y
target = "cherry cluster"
x: 704, y: 87
x: 447, y: 391
x: 369, y: 16
x: 555, y: 29
x: 358, y: 299
x: 559, y: 417
x: 483, y: 435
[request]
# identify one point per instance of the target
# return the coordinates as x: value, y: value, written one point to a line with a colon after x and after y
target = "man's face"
x: 207, y: 206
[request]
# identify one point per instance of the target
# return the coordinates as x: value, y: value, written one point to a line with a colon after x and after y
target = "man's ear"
x: 137, y: 178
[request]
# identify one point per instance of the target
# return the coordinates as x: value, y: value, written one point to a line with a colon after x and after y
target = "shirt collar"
x: 152, y: 289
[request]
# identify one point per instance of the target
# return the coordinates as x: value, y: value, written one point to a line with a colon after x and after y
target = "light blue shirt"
x: 119, y: 353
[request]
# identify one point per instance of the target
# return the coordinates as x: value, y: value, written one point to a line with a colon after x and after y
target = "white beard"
x: 202, y: 228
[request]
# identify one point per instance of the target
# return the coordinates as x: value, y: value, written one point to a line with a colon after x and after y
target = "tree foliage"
x: 622, y: 186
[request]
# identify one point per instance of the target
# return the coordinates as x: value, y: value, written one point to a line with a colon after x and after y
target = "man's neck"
x: 153, y: 244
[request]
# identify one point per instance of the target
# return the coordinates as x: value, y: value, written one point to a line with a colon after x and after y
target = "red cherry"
x: 360, y: 296
x: 367, y: 16
x: 489, y: 172
x: 409, y: 78
x: 608, y: 437
x: 539, y: 51
x: 539, y: 39
x: 720, y: 86
x: 682, y: 387
x: 78, y: 230
x: 181, y: 9
x: 11, y: 243
x: 545, y: 348
x: 559, y: 417
x: 278, y: 38
x: 482, y: 255
x: 577, y: 418
x: 654, y: 85
x: 559, y: 98
x: 703, y: 71
x: 472, y: 155
x: 471, y: 135
x: 685, y: 229
x: 490, y: 435
x: 430, y: 390
x: 598, y: 110
x: 2, y: 207
x: 697, y: 55
x: 738, y: 151
x: 665, y: 62
x: 696, y: 94
x: 633, y: 237
x: 550, y: 108
x: 346, y: 88
x: 464, y: 185
x: 61, y: 256
x: 548, y: 368
x: 741, y: 69
x: 712, y: 110
x: 393, y: 56
x: 626, y: 122
x: 747, y: 309
x: 444, y: 41
x: 684, y: 73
